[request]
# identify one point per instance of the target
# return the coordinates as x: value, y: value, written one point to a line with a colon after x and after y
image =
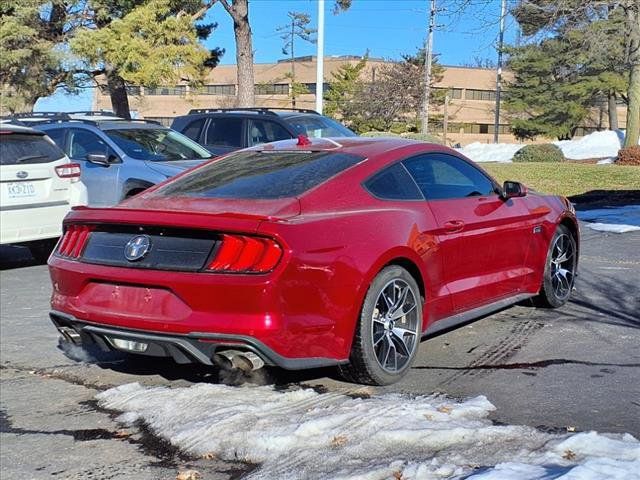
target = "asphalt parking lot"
x: 576, y: 368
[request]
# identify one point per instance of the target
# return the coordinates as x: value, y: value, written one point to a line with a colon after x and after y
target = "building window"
x: 452, y: 92
x: 272, y: 89
x: 177, y: 90
x: 311, y: 87
x: 219, y: 90
x: 133, y: 90
x: 487, y: 95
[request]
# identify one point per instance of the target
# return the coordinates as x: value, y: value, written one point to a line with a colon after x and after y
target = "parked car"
x: 119, y: 158
x: 225, y: 130
x: 39, y: 187
x: 311, y: 254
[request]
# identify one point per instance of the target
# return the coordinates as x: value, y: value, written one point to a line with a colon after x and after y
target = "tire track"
x: 518, y: 337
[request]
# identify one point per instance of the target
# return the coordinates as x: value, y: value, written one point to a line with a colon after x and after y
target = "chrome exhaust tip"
x: 235, y: 359
x: 70, y: 335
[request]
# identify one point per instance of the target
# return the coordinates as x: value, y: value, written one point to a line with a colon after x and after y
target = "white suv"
x: 38, y: 186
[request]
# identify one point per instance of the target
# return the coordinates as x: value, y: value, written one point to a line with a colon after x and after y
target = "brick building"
x: 470, y: 111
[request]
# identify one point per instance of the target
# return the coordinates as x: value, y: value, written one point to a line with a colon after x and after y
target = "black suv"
x: 224, y: 130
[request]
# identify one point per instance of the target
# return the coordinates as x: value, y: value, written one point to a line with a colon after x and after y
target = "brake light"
x: 73, y: 241
x: 241, y: 253
x: 69, y: 170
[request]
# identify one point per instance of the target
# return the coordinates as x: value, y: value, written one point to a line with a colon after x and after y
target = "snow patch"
x: 621, y: 219
x: 491, y: 152
x: 595, y: 145
x: 613, y: 227
x: 305, y: 434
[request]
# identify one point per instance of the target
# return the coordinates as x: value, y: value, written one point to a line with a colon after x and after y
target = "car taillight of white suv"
x: 38, y: 187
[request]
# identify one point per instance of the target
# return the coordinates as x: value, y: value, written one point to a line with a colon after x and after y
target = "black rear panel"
x: 168, y: 249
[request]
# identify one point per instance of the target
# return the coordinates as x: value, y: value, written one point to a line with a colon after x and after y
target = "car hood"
x: 173, y: 167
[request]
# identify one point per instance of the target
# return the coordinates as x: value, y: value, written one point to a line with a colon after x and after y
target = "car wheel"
x: 559, y: 270
x: 388, y: 331
x: 41, y: 250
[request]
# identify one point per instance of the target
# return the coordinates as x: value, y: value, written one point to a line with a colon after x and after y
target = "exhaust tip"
x: 235, y: 359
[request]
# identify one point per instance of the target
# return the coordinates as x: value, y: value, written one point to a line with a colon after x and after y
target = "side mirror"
x: 513, y: 189
x: 102, y: 159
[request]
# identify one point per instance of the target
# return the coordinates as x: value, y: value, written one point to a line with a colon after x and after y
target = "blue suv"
x: 119, y: 158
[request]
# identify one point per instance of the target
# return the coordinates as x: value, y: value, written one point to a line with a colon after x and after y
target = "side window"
x: 261, y: 131
x: 58, y: 137
x: 393, y: 183
x: 441, y: 176
x: 84, y: 142
x: 193, y: 129
x: 224, y: 131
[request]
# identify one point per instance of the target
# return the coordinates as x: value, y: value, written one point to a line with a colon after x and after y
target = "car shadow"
x: 166, y: 368
x: 15, y: 256
x: 605, y: 198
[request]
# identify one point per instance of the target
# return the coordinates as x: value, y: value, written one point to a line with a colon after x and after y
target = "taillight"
x: 69, y: 170
x: 241, y: 253
x: 73, y: 241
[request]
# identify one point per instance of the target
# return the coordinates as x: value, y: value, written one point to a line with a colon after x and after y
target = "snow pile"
x: 491, y: 152
x: 614, y: 219
x: 603, y: 144
x: 304, y: 434
x: 595, y: 145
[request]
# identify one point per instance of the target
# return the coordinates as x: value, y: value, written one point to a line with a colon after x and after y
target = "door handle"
x: 453, y: 226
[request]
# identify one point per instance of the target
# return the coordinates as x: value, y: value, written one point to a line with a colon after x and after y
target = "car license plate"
x: 21, y: 190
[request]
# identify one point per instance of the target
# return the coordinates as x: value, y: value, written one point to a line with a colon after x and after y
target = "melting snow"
x: 614, y: 219
x: 305, y: 434
x: 595, y: 145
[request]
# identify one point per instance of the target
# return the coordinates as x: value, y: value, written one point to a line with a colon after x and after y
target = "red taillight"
x: 241, y: 253
x: 73, y: 241
x: 68, y: 170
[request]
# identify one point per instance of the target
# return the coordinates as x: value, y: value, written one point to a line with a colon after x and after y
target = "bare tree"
x: 296, y: 28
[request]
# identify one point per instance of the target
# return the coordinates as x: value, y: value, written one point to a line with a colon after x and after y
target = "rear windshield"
x: 260, y: 175
x: 21, y: 148
x: 157, y: 144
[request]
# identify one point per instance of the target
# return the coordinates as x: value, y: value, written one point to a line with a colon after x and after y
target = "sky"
x: 385, y: 28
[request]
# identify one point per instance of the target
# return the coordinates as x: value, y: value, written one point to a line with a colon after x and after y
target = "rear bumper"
x: 193, y: 347
x: 28, y: 224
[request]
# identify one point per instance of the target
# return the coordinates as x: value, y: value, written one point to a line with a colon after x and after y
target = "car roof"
x: 12, y: 128
x: 364, y: 146
x: 104, y: 124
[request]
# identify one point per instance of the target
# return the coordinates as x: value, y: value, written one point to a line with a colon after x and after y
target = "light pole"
x: 496, y: 122
x: 320, y: 58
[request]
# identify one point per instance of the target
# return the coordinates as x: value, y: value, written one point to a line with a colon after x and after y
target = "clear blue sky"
x: 386, y: 28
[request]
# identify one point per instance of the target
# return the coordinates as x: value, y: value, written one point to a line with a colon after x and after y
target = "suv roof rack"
x: 41, y: 115
x: 263, y: 110
x: 95, y: 113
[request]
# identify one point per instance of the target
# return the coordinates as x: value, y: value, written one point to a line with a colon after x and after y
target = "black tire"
x: 559, y: 273
x: 368, y: 355
x: 41, y: 250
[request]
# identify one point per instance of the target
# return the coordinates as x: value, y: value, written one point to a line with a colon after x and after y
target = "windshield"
x: 260, y: 175
x: 157, y: 144
x: 316, y: 126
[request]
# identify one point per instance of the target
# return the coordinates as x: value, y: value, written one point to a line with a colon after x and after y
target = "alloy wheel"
x: 563, y: 266
x: 395, y: 331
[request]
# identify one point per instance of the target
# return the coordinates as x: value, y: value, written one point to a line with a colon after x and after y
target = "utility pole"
x: 320, y: 59
x: 424, y: 127
x: 445, y: 122
x: 496, y: 123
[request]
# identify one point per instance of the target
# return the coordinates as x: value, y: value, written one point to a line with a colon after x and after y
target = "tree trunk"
x: 613, y: 111
x: 244, y: 52
x: 118, y: 94
x: 633, y: 112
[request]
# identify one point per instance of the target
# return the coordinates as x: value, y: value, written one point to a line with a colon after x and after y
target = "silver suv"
x: 119, y: 158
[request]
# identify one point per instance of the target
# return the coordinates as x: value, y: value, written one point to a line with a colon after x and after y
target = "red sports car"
x: 310, y: 254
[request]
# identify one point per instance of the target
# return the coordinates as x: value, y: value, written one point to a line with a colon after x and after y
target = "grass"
x: 567, y: 178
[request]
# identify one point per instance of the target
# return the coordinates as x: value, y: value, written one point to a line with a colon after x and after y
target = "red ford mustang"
x: 310, y: 254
